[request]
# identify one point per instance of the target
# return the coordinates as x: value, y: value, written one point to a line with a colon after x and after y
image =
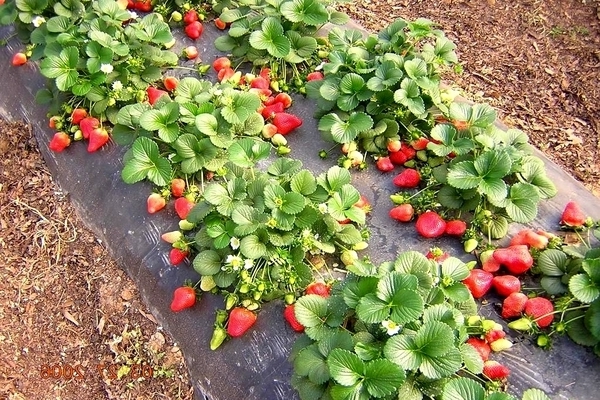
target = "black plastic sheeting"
x: 255, y: 366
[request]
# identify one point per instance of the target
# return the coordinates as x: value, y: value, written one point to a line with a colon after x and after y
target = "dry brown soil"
x: 64, y: 303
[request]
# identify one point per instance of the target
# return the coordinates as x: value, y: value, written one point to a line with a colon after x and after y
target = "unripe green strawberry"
x: 218, y: 337
x: 207, y: 283
x: 348, y: 257
x: 500, y: 345
x: 470, y: 245
x: 522, y: 324
x: 186, y: 225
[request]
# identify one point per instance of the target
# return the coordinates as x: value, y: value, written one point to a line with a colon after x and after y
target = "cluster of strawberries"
x: 82, y: 127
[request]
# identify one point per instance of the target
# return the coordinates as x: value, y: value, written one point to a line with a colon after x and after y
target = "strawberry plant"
x: 260, y: 235
x: 378, y: 88
x: 279, y: 35
x: 571, y: 275
x: 394, y: 331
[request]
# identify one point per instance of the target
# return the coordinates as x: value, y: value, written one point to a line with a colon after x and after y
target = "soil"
x: 72, y: 325
x: 66, y: 308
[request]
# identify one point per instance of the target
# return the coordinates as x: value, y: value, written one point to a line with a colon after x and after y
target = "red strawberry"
x: 430, y: 225
x: 363, y: 203
x: 398, y: 158
x: 240, y: 320
x: 177, y: 187
x: 436, y: 254
x: 77, y: 115
x: 87, y: 125
x: 98, y: 138
x: 314, y: 76
x: 513, y: 305
x: 384, y: 164
x: 170, y: 83
x: 194, y: 30
x: 541, y: 310
x: 495, y: 371
x: 494, y: 335
x: 220, y: 24
x: 284, y: 99
x: 481, y: 346
x: 402, y: 213
x: 260, y: 82
x: 420, y: 144
x: 225, y: 74
x: 144, y: 5
x: 478, y: 282
x: 408, y: 151
x: 456, y: 227
x: 183, y: 297
x: 19, y: 59
x: 154, y: 94
x: 318, y: 288
x: 190, y: 16
x: 290, y: 316
x: 506, y: 284
x: 488, y: 262
x: 530, y: 238
x: 270, y: 111
x: 190, y: 52
x: 183, y: 207
x: 155, y: 203
x: 286, y: 123
x: 409, y: 178
x: 393, y: 146
x: 176, y: 256
x: 265, y: 73
x: 516, y: 259
x: 53, y: 121
x: 59, y: 142
x: 220, y: 63
x: 572, y: 215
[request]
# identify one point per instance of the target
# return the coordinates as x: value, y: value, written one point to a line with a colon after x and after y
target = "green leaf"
x: 62, y: 68
x: 534, y: 394
x: 578, y: 331
x: 521, y: 204
x: 386, y: 76
x: 464, y: 175
x: 415, y: 68
x: 310, y: 12
x: 312, y: 364
x: 440, y: 367
x: 146, y: 162
x: 583, y: 288
x: 457, y: 292
x: 345, y: 367
x: 401, y: 350
x: 216, y: 194
x: 252, y: 247
x: 450, y: 141
x: 311, y: 310
x: 207, y: 262
x: 271, y: 38
x: 382, y: 377
x: 372, y: 309
x: 247, y: 152
x: 434, y: 339
x: 455, y: 269
x: 242, y: 106
x: 334, y: 179
x: 497, y: 228
x: 195, y: 153
x: 471, y: 358
x: 463, y: 389
x: 344, y: 131
x: 592, y: 319
x: 304, y: 183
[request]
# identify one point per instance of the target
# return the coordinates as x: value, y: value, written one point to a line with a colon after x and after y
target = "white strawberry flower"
x: 38, y: 21
x: 248, y: 263
x: 117, y: 86
x: 234, y: 243
x: 106, y: 68
x: 391, y: 327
